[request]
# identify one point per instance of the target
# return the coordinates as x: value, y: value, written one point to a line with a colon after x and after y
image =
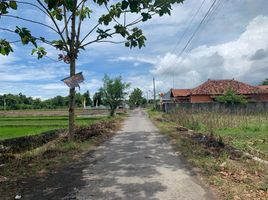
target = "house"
x: 165, y: 97
x: 180, y: 95
x: 265, y: 87
x: 208, y: 91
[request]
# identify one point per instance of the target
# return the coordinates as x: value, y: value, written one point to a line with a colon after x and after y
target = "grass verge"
x: 230, y: 176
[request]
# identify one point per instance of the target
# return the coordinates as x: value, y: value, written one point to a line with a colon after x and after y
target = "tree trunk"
x: 72, y: 55
x: 72, y: 104
x: 112, y: 111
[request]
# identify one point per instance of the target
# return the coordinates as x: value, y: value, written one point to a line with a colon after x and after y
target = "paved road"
x: 139, y: 163
x: 136, y: 164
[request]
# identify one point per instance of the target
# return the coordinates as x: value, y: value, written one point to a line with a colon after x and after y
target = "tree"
x: 113, y: 92
x: 231, y: 98
x: 69, y: 39
x: 97, y: 99
x: 265, y: 82
x: 135, y: 98
x: 87, y: 98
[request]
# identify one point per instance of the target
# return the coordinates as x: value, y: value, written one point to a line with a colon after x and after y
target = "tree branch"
x: 112, y: 17
x: 32, y: 4
x: 66, y: 23
x: 79, y: 26
x: 97, y: 40
x: 83, y: 1
x: 89, y: 33
x: 36, y: 38
x: 29, y: 20
x: 56, y: 25
x: 6, y: 29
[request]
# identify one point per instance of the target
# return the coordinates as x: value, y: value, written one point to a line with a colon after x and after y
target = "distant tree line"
x: 265, y: 82
x: 22, y: 102
x: 112, y: 95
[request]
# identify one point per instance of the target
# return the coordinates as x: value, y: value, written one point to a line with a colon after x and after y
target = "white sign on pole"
x: 74, y: 81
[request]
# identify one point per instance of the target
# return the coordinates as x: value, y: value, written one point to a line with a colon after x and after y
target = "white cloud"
x: 143, y: 59
x: 228, y: 60
x: 53, y: 86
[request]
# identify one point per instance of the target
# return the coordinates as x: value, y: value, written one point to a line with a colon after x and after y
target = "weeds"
x: 233, y: 177
x: 246, y: 131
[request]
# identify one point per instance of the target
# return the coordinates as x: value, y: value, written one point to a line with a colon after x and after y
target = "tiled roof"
x: 213, y: 87
x: 263, y: 87
x: 180, y: 92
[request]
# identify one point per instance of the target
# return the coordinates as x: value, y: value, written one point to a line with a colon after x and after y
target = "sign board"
x: 74, y: 81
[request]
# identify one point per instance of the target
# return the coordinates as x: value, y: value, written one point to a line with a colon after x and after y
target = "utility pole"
x: 154, y: 93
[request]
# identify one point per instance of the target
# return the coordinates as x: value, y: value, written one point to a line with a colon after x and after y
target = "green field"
x: 11, y: 127
x: 248, y: 132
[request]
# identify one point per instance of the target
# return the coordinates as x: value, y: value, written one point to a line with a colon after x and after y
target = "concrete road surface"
x: 139, y: 163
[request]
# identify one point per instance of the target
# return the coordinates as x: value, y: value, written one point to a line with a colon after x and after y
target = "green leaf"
x: 101, y: 2
x: 25, y: 36
x: 69, y: 4
x: 5, y: 47
x: 134, y: 6
x: 51, y: 4
x: 124, y: 5
x: 13, y: 5
x: 40, y: 51
x: 58, y: 44
x: 145, y: 16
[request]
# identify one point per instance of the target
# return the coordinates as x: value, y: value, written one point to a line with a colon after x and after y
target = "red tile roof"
x: 214, y: 87
x: 265, y: 87
x: 180, y: 92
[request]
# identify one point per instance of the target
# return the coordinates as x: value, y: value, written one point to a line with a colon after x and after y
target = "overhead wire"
x: 189, y: 25
x: 206, y: 16
x: 197, y: 29
x: 210, y: 18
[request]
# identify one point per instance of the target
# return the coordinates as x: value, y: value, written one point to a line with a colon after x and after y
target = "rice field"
x: 11, y: 127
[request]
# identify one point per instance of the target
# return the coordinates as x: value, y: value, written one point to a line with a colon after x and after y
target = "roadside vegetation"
x: 210, y: 148
x: 245, y: 131
x: 23, y: 102
x: 18, y: 166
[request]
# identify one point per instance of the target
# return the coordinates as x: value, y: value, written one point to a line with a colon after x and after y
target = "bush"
x: 231, y: 98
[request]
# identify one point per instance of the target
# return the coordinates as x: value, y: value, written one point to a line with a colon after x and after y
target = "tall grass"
x: 210, y: 121
x: 246, y: 131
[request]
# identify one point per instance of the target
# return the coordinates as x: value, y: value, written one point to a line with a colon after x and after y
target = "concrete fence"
x: 252, y: 107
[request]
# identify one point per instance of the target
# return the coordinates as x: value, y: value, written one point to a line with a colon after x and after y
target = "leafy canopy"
x: 265, y: 82
x: 113, y: 92
x: 230, y: 97
x: 135, y: 98
x: 114, y: 21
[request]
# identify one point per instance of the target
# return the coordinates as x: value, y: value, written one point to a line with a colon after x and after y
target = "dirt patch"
x: 94, y: 131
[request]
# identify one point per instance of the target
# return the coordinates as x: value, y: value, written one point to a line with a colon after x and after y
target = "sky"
x: 231, y: 43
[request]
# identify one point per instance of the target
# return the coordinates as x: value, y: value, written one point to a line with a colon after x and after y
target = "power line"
x: 213, y: 7
x: 212, y: 13
x: 189, y: 25
x: 197, y: 29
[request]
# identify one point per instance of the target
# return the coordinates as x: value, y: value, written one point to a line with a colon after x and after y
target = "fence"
x: 251, y: 107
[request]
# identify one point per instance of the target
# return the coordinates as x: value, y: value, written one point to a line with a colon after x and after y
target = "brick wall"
x: 201, y: 98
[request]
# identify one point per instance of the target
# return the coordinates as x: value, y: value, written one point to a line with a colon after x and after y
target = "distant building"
x: 208, y: 91
x: 181, y: 95
x: 265, y: 87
